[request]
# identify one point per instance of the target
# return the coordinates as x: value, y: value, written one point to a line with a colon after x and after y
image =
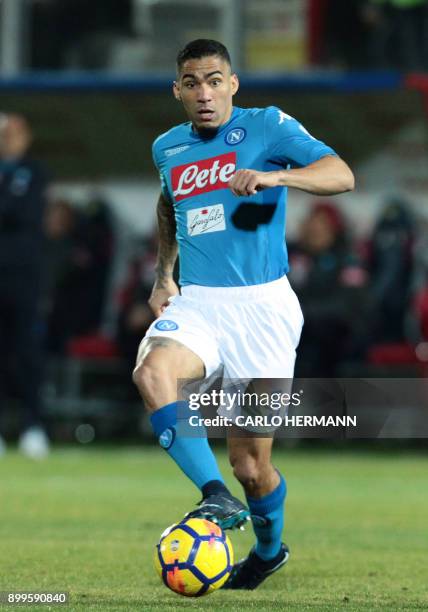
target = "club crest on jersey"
x: 166, y: 325
x: 235, y: 136
x: 202, y: 176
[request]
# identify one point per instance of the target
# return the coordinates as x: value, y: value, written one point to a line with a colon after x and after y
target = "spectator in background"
x: 23, y: 186
x: 135, y: 315
x: 347, y: 34
x: 399, y: 31
x: 93, y: 258
x: 380, y: 34
x: 416, y: 320
x: 82, y: 242
x: 60, y: 223
x: 390, y: 266
x: 330, y: 284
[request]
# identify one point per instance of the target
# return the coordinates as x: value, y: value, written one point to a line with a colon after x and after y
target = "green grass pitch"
x: 86, y: 520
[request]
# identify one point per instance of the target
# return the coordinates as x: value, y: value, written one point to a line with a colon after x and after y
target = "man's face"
x: 15, y: 137
x: 206, y: 87
x: 319, y: 233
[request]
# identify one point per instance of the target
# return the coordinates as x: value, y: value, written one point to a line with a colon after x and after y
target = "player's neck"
x: 208, y: 133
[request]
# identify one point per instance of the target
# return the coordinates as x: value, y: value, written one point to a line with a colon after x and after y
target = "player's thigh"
x: 163, y: 368
x: 195, y: 339
x: 173, y: 357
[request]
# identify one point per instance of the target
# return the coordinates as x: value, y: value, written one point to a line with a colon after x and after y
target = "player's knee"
x: 150, y: 375
x: 247, y: 471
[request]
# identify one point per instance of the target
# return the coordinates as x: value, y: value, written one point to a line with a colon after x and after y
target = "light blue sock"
x: 267, y: 514
x: 187, y: 445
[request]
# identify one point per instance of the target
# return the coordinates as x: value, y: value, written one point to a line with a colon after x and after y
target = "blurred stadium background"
x: 94, y: 81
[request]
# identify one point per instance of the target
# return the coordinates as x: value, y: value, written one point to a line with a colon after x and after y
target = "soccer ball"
x: 194, y: 557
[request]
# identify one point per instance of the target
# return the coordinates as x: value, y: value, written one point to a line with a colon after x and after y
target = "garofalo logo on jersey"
x: 203, y: 176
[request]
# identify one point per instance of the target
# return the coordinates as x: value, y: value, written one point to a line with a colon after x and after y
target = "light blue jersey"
x: 225, y: 240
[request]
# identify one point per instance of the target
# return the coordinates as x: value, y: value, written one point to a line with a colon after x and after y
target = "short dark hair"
x: 202, y: 47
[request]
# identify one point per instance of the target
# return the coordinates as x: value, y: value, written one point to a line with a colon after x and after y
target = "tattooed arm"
x: 164, y: 286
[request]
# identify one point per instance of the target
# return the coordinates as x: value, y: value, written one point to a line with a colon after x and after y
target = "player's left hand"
x: 249, y: 182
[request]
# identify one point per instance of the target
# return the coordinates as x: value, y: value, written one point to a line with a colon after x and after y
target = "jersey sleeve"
x: 288, y: 142
x: 157, y: 160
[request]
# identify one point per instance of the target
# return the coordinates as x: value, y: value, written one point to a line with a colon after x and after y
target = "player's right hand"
x: 161, y: 293
x: 246, y: 182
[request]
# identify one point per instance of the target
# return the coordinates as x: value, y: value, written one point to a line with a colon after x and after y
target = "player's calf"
x: 265, y: 491
x: 255, y: 473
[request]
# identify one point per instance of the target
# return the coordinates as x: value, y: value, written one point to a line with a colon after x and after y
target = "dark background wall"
x: 104, y: 134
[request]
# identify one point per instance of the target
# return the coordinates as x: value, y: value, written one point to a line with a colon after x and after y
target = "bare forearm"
x: 167, y: 250
x: 328, y: 176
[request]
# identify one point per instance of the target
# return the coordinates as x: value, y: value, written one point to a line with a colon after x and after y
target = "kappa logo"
x: 284, y: 116
x: 305, y: 131
x: 176, y: 150
x: 203, y: 176
x: 166, y: 325
x: 235, y: 136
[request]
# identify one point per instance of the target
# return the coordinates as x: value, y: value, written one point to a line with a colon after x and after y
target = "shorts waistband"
x: 253, y: 293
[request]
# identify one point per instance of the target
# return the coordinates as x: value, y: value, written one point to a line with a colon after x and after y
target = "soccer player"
x: 224, y: 178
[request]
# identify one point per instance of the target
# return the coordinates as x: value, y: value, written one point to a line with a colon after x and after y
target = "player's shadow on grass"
x: 249, y: 216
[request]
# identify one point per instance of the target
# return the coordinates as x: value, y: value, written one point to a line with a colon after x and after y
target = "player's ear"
x: 235, y: 83
x: 176, y: 90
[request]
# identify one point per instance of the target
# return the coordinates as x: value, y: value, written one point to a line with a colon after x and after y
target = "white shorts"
x: 250, y: 332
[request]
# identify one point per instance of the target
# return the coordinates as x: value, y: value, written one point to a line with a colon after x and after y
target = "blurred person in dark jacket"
x: 399, y: 33
x: 60, y: 224
x: 390, y: 265
x: 329, y: 282
x: 134, y: 314
x: 346, y: 34
x: 23, y: 186
x: 81, y: 242
x: 94, y: 258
